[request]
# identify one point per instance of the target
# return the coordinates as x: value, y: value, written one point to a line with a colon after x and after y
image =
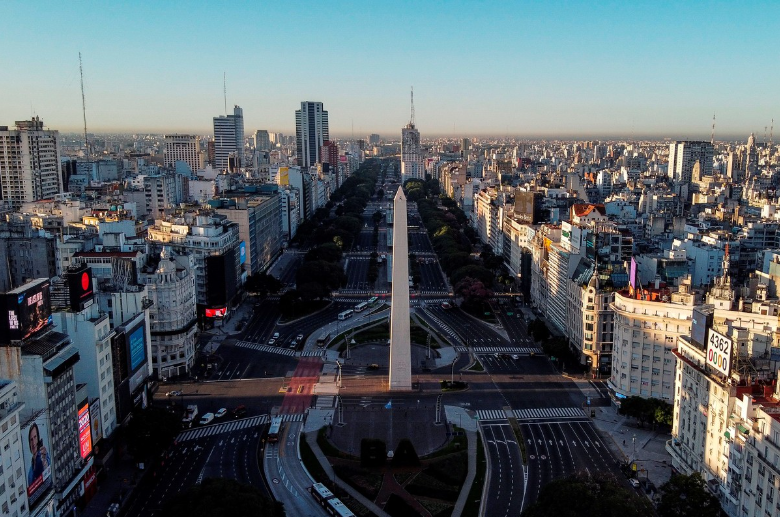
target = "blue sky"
x: 557, y: 68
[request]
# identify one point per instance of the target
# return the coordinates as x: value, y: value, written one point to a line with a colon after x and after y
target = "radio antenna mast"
x: 224, y: 89
x: 412, y: 119
x: 83, y: 107
x: 712, y: 138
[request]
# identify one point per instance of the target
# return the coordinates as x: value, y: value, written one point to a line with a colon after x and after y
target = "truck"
x: 189, y: 415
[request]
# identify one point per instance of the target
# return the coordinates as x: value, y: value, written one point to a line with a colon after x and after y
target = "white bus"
x: 346, y: 314
x: 372, y: 301
x: 361, y: 306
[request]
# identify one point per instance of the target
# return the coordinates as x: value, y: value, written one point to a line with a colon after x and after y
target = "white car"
x: 299, y: 337
x: 271, y: 341
x: 634, y: 482
x: 276, y: 335
x: 174, y: 393
x: 222, y: 412
x: 515, y: 357
x: 207, y: 418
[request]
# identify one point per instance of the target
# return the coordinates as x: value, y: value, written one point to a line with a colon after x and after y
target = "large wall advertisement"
x: 80, y: 287
x: 719, y: 348
x: 27, y: 311
x: 37, y: 459
x: 85, y: 431
x: 136, y: 347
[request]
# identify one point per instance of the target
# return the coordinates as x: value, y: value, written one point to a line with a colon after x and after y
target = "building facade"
x: 311, y: 132
x: 184, y: 148
x: 229, y: 140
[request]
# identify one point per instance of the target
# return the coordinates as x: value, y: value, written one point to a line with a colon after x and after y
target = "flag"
x: 389, y: 405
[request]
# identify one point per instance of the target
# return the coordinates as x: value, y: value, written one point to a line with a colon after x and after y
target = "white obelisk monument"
x: 400, y: 340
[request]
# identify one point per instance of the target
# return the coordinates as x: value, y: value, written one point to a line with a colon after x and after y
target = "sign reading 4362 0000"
x: 719, y: 349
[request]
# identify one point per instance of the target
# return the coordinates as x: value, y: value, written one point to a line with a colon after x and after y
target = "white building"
x: 311, y: 131
x: 29, y: 162
x: 229, y: 140
x: 683, y: 155
x: 173, y: 317
x: 705, y: 261
x: 182, y: 148
x: 411, y: 153
x: 13, y: 500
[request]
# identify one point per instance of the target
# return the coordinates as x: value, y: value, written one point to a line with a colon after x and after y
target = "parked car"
x: 299, y: 337
x: 446, y: 305
x: 222, y: 412
x: 207, y: 418
x: 174, y: 393
x: 373, y: 366
x: 276, y: 335
x: 271, y: 341
x: 634, y: 482
x: 515, y: 357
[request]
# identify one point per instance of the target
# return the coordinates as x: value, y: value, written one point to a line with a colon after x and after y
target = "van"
x: 207, y: 418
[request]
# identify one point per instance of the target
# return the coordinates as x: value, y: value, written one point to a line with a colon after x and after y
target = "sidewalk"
x: 311, y: 439
x: 472, y: 473
x: 116, y: 486
x: 629, y: 442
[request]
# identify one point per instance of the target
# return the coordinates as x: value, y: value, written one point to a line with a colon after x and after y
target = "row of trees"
x: 653, y: 411
x: 585, y: 494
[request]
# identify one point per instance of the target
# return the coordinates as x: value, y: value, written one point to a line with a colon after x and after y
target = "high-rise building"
x: 373, y: 139
x: 329, y: 155
x: 29, y: 163
x: 262, y: 140
x: 683, y: 155
x: 311, y: 131
x: 182, y: 148
x: 229, y: 139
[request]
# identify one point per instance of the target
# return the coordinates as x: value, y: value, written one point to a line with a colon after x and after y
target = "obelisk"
x: 400, y: 339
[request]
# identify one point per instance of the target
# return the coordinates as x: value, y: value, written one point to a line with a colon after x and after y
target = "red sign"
x: 216, y: 313
x: 85, y: 432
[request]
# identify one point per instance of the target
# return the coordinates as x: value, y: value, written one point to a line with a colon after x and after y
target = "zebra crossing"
x: 491, y: 414
x: 235, y: 425
x: 266, y: 348
x: 498, y: 349
x: 325, y: 402
x: 314, y: 353
x: 558, y: 412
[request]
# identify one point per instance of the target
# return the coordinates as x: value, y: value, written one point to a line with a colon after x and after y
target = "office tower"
x: 229, y: 139
x: 311, y: 131
x: 373, y: 139
x: 683, y: 155
x: 184, y: 148
x: 329, y: 156
x: 751, y: 156
x: 29, y: 163
x: 411, y: 154
x: 262, y: 140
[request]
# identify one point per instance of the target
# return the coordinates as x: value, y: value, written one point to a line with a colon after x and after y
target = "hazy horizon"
x: 559, y: 69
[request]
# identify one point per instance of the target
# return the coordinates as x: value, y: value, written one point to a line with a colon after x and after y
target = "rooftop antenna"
x: 412, y: 119
x: 771, y: 134
x: 712, y: 138
x: 83, y: 106
x: 224, y: 89
x: 765, y: 128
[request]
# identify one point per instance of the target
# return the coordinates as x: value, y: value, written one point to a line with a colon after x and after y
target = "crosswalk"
x: 325, y: 402
x: 226, y: 427
x: 559, y: 412
x: 498, y: 349
x: 313, y: 353
x: 491, y: 414
x: 266, y: 348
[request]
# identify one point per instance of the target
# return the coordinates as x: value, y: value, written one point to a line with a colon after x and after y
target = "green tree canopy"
x: 329, y: 252
x: 687, y: 495
x: 151, y: 431
x: 585, y: 495
x: 221, y: 498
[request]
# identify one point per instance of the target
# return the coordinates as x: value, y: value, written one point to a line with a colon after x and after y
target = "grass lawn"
x: 457, y: 444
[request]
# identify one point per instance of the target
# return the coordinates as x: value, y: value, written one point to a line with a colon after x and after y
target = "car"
x: 299, y: 337
x: 206, y: 419
x: 634, y: 482
x: 515, y: 357
x: 293, y: 344
x: 222, y: 412
x: 239, y: 411
x: 271, y: 341
x: 276, y: 335
x: 174, y: 393
x: 446, y: 305
x: 373, y: 366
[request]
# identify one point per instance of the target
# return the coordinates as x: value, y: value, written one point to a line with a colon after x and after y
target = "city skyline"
x: 552, y: 71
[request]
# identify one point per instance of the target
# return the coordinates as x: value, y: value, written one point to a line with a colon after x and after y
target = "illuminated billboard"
x: 37, y: 458
x: 719, y: 349
x: 85, y: 431
x: 80, y: 288
x: 216, y: 313
x: 242, y: 252
x: 136, y: 347
x: 26, y: 310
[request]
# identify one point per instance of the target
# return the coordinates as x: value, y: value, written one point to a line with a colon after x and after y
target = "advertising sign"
x: 37, y: 459
x: 719, y: 349
x: 136, y: 347
x: 216, y: 313
x: 242, y: 252
x: 27, y: 310
x: 85, y: 431
x: 80, y: 287
x: 632, y: 274
x: 94, y: 418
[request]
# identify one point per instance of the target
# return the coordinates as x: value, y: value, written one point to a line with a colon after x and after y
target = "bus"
x: 372, y: 301
x: 320, y: 493
x: 323, y: 339
x: 333, y: 505
x: 346, y: 314
x: 361, y: 306
x: 273, y: 431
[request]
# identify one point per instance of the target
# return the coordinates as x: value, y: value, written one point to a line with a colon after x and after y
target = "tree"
x: 558, y: 347
x: 586, y: 494
x: 380, y: 193
x: 476, y: 272
x: 263, y: 284
x: 473, y: 292
x: 221, y: 498
x: 289, y: 302
x: 637, y: 407
x: 687, y: 495
x: 329, y: 252
x: 377, y: 217
x: 538, y: 330
x: 151, y: 431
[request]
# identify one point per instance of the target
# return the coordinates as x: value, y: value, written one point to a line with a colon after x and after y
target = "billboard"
x: 37, y: 458
x: 284, y: 176
x: 85, y: 431
x: 216, y: 313
x: 242, y: 252
x: 136, y: 347
x: 632, y: 274
x: 80, y: 288
x: 94, y: 421
x: 26, y: 310
x: 719, y: 349
x: 221, y: 278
